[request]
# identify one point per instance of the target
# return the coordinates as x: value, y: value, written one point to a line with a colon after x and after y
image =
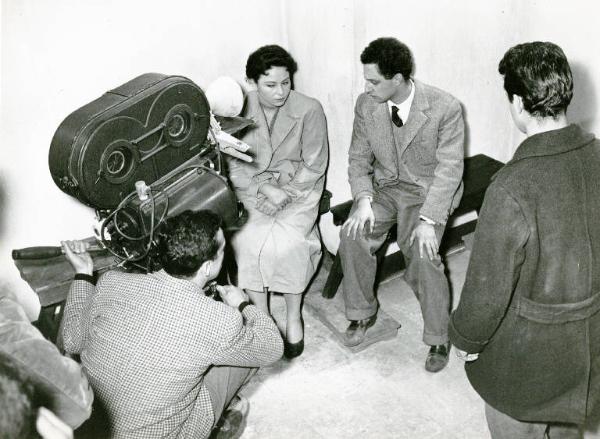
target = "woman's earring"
x: 250, y: 84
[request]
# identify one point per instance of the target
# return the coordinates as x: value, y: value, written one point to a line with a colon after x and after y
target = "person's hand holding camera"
x: 231, y: 295
x: 77, y: 255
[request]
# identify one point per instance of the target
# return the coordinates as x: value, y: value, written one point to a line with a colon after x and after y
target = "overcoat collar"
x: 553, y: 142
x: 287, y: 118
x: 416, y: 119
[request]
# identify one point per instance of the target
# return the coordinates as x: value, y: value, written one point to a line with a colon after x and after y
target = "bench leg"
x: 48, y: 321
x: 334, y: 278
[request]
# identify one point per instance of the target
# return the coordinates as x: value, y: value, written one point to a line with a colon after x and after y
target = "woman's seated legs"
x: 260, y: 299
x: 294, y: 332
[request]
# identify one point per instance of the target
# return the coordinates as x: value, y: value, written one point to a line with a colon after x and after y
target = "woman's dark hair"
x: 188, y: 240
x: 538, y: 72
x: 391, y: 57
x: 265, y: 57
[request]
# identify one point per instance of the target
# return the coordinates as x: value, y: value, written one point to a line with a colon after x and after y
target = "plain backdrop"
x: 58, y: 55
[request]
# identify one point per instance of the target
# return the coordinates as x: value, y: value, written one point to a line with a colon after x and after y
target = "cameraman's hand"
x: 77, y: 255
x: 231, y: 295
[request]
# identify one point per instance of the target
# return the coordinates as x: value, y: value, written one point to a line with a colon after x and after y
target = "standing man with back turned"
x: 405, y: 169
x: 528, y: 314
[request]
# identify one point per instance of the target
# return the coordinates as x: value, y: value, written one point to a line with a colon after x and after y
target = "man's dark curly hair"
x: 17, y: 409
x: 538, y: 72
x: 188, y: 240
x: 391, y: 57
x: 265, y: 57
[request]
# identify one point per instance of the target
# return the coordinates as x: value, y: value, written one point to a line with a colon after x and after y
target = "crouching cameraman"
x: 164, y: 359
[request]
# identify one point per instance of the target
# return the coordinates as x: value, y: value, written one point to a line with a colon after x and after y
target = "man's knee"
x: 362, y: 244
x: 349, y: 245
x: 224, y: 382
x: 423, y: 262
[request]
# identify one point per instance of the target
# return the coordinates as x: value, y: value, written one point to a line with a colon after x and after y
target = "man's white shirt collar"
x: 404, y: 107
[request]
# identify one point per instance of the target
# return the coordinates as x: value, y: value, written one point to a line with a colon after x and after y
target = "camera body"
x: 139, y: 131
x: 140, y: 154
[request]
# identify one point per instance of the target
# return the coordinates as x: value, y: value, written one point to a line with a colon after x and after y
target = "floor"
x: 381, y: 392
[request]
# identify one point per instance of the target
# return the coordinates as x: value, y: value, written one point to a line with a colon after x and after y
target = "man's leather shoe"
x: 233, y: 420
x: 437, y: 357
x: 355, y: 333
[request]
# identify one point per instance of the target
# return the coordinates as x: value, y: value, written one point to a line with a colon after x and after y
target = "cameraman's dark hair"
x: 538, y: 72
x: 391, y: 57
x: 17, y: 411
x: 265, y: 57
x: 187, y: 240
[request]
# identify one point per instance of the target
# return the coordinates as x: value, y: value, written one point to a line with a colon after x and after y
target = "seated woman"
x: 279, y: 247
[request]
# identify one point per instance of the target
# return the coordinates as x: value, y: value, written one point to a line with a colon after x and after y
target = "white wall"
x: 59, y: 55
x: 457, y: 45
x: 322, y: 38
x: 573, y: 26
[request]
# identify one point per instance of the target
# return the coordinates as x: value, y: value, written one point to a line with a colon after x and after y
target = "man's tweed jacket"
x: 146, y: 341
x: 427, y: 151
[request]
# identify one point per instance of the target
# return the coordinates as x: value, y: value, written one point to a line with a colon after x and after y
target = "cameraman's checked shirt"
x: 146, y: 340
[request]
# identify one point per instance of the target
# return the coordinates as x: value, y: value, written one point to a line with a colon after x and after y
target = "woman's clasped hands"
x: 275, y: 199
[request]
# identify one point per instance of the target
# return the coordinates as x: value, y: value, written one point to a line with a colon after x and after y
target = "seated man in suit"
x: 163, y: 358
x: 405, y: 169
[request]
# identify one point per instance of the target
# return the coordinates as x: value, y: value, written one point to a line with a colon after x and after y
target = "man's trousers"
x: 223, y: 383
x: 396, y: 205
x: 503, y: 426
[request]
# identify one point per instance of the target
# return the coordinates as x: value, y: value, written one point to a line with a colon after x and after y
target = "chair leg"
x: 333, y: 279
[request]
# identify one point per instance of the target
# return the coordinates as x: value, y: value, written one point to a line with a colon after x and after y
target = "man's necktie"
x: 395, y: 117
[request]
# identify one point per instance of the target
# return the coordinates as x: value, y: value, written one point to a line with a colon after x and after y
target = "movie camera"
x: 141, y: 153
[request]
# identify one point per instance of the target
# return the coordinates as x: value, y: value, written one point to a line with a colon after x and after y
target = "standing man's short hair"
x: 539, y: 73
x: 188, y: 240
x: 390, y: 55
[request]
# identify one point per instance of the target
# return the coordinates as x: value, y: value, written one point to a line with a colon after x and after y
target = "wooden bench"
x: 478, y: 172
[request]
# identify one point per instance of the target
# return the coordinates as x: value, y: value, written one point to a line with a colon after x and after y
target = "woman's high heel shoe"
x: 293, y: 350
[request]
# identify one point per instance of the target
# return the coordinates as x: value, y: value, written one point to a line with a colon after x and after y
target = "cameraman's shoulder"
x: 119, y: 276
x: 223, y: 320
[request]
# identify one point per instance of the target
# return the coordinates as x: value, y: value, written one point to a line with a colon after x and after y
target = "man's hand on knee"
x: 357, y: 221
x: 426, y: 240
